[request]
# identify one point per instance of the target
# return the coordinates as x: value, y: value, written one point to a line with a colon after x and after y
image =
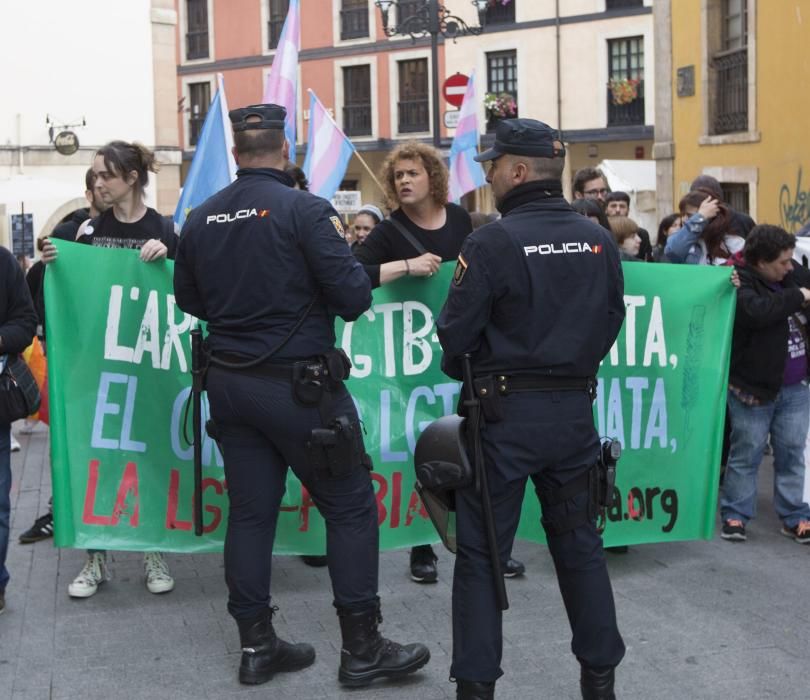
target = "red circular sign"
x: 454, y: 88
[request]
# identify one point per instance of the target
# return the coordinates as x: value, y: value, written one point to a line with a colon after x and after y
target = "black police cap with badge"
x: 524, y: 137
x: 268, y: 116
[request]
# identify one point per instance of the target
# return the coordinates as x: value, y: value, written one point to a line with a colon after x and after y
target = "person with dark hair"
x: 121, y: 171
x: 366, y: 218
x: 625, y: 233
x: 739, y: 224
x: 298, y: 175
x: 269, y: 288
x: 669, y: 224
x: 424, y: 231
x: 617, y: 203
x: 535, y: 334
x: 591, y: 183
x: 479, y: 219
x: 768, y: 385
x: 704, y: 238
x: 591, y: 209
x: 18, y: 324
x: 42, y: 528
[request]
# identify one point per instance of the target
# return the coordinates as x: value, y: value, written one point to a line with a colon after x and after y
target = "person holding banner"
x: 121, y: 173
x: 767, y: 385
x: 18, y: 325
x: 536, y: 335
x: 424, y: 231
x: 267, y: 267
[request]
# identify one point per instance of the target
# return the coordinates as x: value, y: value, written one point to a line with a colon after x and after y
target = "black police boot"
x: 366, y: 655
x: 597, y: 683
x: 264, y: 654
x: 475, y: 690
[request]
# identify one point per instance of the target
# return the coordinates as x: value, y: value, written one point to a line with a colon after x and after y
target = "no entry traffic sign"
x: 454, y: 88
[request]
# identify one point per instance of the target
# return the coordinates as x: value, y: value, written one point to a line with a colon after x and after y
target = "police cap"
x: 267, y: 116
x: 524, y: 137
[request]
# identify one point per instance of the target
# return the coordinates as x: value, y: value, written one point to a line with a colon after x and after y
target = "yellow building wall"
x: 779, y: 33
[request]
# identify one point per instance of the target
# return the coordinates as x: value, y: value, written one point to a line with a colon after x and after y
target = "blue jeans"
x: 786, y: 419
x: 5, y: 500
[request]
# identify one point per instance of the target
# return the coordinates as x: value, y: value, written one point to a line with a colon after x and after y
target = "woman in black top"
x: 415, y: 180
x: 121, y: 173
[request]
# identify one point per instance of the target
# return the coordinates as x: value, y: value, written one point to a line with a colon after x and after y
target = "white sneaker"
x: 93, y: 574
x: 158, y: 578
x: 15, y: 444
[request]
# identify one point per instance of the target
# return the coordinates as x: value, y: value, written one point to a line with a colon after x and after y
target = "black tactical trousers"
x: 550, y: 438
x: 263, y: 430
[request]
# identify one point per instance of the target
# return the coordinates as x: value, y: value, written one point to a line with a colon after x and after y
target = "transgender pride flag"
x: 282, y: 81
x: 328, y: 151
x: 465, y: 174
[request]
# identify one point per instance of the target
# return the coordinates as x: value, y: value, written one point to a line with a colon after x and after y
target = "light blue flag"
x: 213, y: 166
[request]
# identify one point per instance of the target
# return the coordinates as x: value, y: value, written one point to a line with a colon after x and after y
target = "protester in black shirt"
x: 122, y: 172
x: 415, y: 180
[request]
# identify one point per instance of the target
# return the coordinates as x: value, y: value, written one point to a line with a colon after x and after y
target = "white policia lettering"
x: 559, y: 248
x: 228, y: 217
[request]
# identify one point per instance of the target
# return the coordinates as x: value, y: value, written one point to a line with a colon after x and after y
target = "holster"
x: 489, y: 397
x: 336, y: 450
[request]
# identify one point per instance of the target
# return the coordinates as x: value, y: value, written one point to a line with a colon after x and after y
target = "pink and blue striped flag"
x: 328, y: 151
x: 465, y: 174
x: 213, y: 166
x: 282, y: 81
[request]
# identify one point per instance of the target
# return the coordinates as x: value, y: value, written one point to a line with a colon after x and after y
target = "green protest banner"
x: 119, y: 355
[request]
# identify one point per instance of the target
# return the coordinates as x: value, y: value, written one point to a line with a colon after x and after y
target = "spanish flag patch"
x: 461, y: 269
x: 338, y: 225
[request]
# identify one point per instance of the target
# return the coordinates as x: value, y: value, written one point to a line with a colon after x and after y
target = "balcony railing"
x: 413, y: 116
x: 354, y: 23
x: 501, y: 14
x: 628, y: 114
x: 731, y: 96
x: 197, y: 45
x: 357, y: 120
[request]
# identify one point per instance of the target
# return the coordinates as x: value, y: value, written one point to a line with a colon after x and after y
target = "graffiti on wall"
x: 794, y: 204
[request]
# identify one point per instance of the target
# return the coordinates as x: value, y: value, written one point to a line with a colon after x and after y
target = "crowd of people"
x: 768, y: 400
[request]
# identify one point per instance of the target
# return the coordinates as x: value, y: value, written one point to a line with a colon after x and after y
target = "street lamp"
x: 431, y: 18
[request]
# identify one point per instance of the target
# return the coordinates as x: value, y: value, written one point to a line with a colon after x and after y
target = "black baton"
x: 474, y: 418
x: 197, y: 374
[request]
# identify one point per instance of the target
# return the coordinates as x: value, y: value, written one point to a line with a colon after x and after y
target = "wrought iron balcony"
x: 354, y: 23
x: 357, y: 120
x: 731, y: 91
x: 413, y: 116
x: 628, y: 114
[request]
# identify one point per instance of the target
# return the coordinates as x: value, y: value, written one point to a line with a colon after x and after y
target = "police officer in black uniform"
x: 537, y: 300
x: 268, y: 268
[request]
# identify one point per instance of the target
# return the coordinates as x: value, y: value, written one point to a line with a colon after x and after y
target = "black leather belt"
x: 265, y: 369
x: 512, y: 383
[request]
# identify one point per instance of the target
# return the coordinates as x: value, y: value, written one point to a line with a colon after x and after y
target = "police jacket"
x: 253, y: 257
x: 539, y: 291
x: 760, y: 343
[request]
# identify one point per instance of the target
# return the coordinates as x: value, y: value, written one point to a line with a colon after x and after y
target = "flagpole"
x: 370, y: 172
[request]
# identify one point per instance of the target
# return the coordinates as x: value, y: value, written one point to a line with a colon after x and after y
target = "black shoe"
x: 42, y: 529
x: 423, y: 564
x: 475, y: 690
x: 597, y: 683
x: 264, y: 654
x: 314, y: 560
x: 513, y: 568
x: 366, y: 655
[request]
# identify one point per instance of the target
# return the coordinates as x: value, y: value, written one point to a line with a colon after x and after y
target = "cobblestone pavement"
x: 700, y: 620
